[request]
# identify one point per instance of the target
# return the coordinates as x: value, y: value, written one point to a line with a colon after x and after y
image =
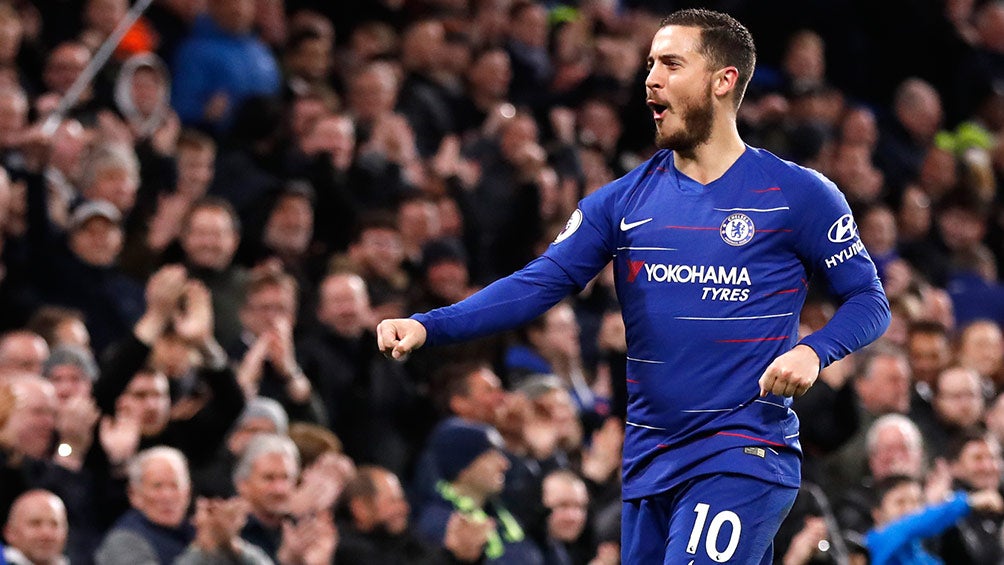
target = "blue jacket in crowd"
x: 212, y: 61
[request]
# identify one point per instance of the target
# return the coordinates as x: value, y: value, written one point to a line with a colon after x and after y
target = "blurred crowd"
x: 198, y: 244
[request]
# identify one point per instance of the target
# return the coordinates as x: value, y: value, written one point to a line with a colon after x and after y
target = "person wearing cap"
x: 72, y: 371
x: 81, y: 270
x: 261, y: 415
x: 472, y: 464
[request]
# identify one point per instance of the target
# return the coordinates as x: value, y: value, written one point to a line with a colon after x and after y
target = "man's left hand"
x: 791, y: 374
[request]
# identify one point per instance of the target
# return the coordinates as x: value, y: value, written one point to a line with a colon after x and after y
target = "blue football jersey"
x: 711, y: 279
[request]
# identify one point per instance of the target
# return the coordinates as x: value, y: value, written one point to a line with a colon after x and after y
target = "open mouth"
x: 658, y: 110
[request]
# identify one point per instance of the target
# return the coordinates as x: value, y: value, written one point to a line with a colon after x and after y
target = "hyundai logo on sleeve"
x: 844, y: 229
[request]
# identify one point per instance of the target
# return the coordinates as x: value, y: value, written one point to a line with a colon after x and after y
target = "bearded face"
x: 686, y: 124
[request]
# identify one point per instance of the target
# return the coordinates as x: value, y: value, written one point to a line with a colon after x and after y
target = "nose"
x: 653, y: 80
x: 280, y: 487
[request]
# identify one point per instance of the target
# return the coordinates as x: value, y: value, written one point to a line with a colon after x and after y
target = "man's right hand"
x: 399, y: 337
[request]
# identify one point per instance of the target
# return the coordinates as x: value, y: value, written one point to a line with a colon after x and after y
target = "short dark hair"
x: 269, y: 275
x: 959, y: 442
x: 453, y: 379
x: 888, y: 484
x: 301, y: 36
x: 928, y: 327
x: 212, y: 203
x: 363, y: 485
x: 724, y: 42
x: 46, y: 319
x: 375, y: 220
x: 866, y: 357
x: 195, y: 140
x: 313, y: 441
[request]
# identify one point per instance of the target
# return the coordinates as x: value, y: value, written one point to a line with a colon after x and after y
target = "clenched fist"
x: 398, y: 337
x: 791, y: 374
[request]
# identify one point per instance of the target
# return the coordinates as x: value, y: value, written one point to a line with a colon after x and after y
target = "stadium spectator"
x: 23, y: 351
x: 376, y: 528
x: 266, y: 478
x: 372, y: 404
x: 903, y: 520
x: 472, y: 465
x: 958, y: 405
x: 210, y: 234
x: 155, y: 528
x: 130, y: 388
x: 72, y: 371
x: 220, y: 65
x: 60, y: 326
x: 975, y: 462
x: 269, y: 365
x: 260, y: 416
x: 36, y: 530
x: 882, y: 383
x: 894, y: 446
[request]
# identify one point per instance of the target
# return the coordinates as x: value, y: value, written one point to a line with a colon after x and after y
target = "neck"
x: 709, y: 161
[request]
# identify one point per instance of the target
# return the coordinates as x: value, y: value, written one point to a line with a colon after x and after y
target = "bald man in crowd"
x: 36, y: 530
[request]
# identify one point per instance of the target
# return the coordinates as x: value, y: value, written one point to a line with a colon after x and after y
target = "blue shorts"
x: 722, y: 518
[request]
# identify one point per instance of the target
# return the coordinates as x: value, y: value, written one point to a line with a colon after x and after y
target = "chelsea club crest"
x: 737, y: 230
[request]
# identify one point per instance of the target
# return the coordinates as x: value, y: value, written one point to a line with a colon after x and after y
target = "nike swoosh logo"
x: 626, y: 226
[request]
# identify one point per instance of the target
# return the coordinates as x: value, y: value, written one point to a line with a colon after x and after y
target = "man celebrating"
x: 712, y: 242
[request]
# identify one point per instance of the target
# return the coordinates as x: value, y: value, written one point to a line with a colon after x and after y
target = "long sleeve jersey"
x: 711, y: 279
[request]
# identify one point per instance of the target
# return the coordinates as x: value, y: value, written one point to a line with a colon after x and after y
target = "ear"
x: 724, y: 81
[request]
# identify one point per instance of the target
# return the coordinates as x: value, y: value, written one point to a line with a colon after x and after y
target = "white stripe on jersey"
x: 647, y: 248
x: 644, y: 426
x: 736, y: 317
x: 645, y: 361
x: 752, y: 209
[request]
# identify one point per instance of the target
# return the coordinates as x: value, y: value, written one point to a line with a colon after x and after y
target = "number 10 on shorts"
x: 711, y: 539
